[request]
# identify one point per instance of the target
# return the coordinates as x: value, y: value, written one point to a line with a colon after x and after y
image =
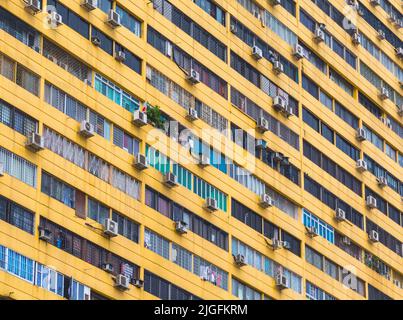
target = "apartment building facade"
x: 201, y: 149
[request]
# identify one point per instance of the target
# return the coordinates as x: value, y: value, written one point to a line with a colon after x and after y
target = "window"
x: 71, y: 19
x: 254, y: 111
x: 57, y: 189
x: 49, y: 279
x: 156, y: 243
x: 269, y: 53
x: 106, y: 43
x: 19, y: 29
x: 105, y: 5
x: 341, y: 82
x: 347, y: 148
x: 95, y: 165
x: 385, y: 238
x: 324, y: 230
x: 346, y: 115
x: 375, y: 294
x: 96, y: 211
x: 129, y: 21
x: 66, y: 61
x: 116, y: 94
x: 246, y: 216
x: 89, y: 252
x: 16, y: 119
x: 310, y: 86
x: 16, y: 215
x: 18, y: 167
x: 18, y: 264
x: 125, y: 141
x: 193, y: 29
x: 315, y: 293
x: 373, y: 137
x: 195, y: 224
x: 19, y: 74
x: 164, y: 289
x: 212, y: 9
x: 126, y: 227
x: 244, y: 292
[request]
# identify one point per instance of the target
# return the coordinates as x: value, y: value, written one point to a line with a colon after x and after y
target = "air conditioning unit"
x: 87, y: 129
x: 55, y: 19
x: 373, y: 236
x: 276, y: 244
x: 346, y: 240
x: 386, y: 121
x: 275, y: 2
x: 234, y: 28
x: 384, y: 94
x: 382, y: 181
x: 96, y: 41
x: 279, y: 104
x: 356, y: 38
x: 266, y: 201
x: 45, y: 234
x: 211, y: 204
x: 299, y: 52
x: 278, y: 157
x: 397, y: 283
x: 1, y: 169
x: 319, y: 35
x: 35, y: 142
x: 361, y: 134
x: 285, y: 161
x: 375, y: 2
x: 111, y: 228
x: 33, y: 6
x: 399, y: 52
x: 139, y: 118
x: 361, y: 165
x: 204, y: 160
x: 278, y: 67
x: 90, y: 4
x: 239, y: 260
x: 192, y: 114
x: 381, y: 34
x: 370, y: 202
x: 88, y: 82
x: 194, y: 77
x: 170, y: 180
x: 113, y: 19
x: 257, y: 53
x: 392, y: 18
x: 108, y: 267
x: 138, y: 283
x: 262, y: 125
x: 311, y: 231
x: 288, y: 112
x: 120, y: 56
x: 400, y: 110
x: 281, y: 281
x: 340, y: 215
x: 260, y: 144
x: 140, y: 161
x: 286, y: 245
x: 122, y: 282
x: 181, y: 227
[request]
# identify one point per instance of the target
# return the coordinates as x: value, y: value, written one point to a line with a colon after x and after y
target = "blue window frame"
x: 324, y: 230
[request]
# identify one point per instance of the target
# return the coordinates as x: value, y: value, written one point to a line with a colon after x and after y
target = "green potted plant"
x: 154, y: 117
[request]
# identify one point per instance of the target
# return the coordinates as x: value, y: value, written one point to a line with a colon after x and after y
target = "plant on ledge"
x: 154, y: 117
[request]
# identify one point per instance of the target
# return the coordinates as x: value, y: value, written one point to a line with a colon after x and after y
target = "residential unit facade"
x: 201, y: 149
